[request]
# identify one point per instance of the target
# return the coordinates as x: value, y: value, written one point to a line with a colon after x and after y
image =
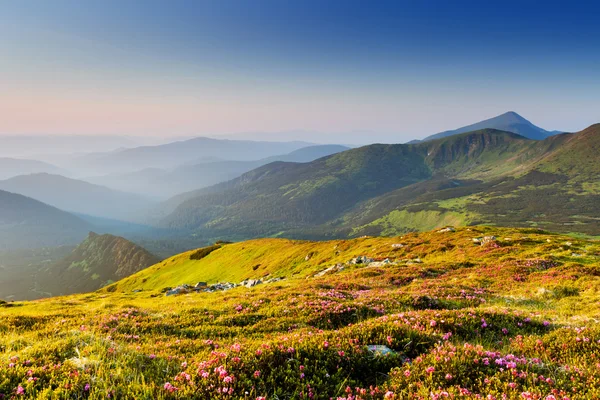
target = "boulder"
x: 361, y: 260
x: 380, y: 350
x: 447, y: 229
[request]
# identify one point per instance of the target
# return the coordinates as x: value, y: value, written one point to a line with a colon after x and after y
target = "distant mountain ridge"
x: 174, y: 154
x: 77, y: 196
x: 98, y: 261
x: 10, y: 167
x: 28, y: 223
x: 508, y: 122
x: 161, y: 183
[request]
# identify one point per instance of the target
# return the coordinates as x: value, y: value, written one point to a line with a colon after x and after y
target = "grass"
x: 514, y: 318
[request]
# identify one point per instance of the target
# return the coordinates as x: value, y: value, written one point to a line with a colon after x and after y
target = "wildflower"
x: 87, y: 387
x: 407, y: 373
x: 449, y: 377
x: 169, y: 388
x: 152, y: 356
x: 20, y: 390
x: 256, y: 374
x: 389, y: 395
x: 430, y: 370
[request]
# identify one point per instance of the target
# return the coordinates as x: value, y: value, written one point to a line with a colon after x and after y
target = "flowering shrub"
x: 453, y: 327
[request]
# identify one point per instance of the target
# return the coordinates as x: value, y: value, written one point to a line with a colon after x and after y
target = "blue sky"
x: 393, y: 69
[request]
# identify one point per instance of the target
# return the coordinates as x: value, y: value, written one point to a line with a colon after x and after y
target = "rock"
x: 361, y: 260
x: 415, y: 261
x: 397, y: 246
x: 334, y: 268
x: 200, y: 285
x: 380, y: 350
x: 484, y: 240
x: 137, y: 290
x: 273, y: 280
x: 251, y: 283
x: 447, y: 229
x: 383, y: 263
x: 488, y: 239
x: 183, y: 289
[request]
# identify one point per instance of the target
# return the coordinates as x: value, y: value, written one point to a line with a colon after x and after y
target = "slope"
x: 553, y: 184
x: 509, y: 122
x: 281, y: 195
x: 78, y: 196
x: 28, y: 223
x: 99, y: 260
x: 464, y: 321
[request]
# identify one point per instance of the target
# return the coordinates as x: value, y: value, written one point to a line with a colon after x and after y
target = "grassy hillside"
x: 484, y: 177
x: 511, y: 318
x: 98, y: 261
x: 283, y: 195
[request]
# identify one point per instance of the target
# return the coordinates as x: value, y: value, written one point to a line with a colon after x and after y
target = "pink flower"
x: 407, y: 373
x: 256, y: 374
x: 389, y: 395
x: 169, y: 388
x: 433, y: 323
x: 326, y: 344
x: 228, y: 379
x: 152, y: 356
x: 20, y: 390
x: 430, y: 370
x: 449, y: 377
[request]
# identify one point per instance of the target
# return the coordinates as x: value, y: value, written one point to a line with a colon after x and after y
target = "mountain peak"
x: 510, y: 121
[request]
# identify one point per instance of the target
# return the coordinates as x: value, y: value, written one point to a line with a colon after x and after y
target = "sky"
x: 330, y: 70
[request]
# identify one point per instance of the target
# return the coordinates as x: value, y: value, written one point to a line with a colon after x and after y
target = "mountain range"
x: 164, y: 183
x: 175, y: 154
x: 487, y: 176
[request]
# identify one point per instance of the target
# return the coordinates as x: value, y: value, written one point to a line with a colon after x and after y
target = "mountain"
x: 28, y: 223
x: 172, y: 155
x: 164, y: 184
x: 509, y: 122
x: 78, y: 196
x: 486, y: 176
x: 98, y: 261
x: 10, y: 167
